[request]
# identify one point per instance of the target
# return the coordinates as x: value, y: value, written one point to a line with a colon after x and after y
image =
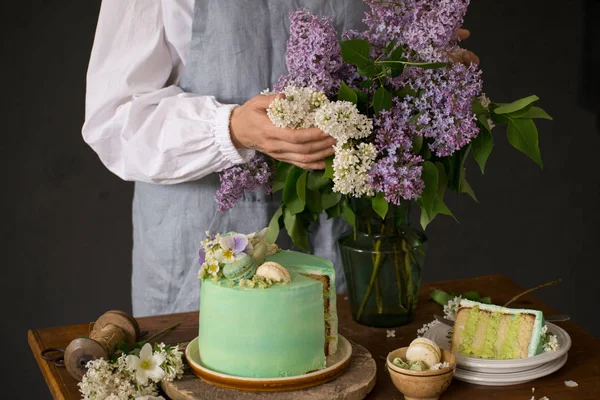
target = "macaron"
x: 274, y: 271
x: 423, y: 349
x: 242, y: 268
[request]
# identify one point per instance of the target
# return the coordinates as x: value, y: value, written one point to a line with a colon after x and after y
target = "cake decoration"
x: 273, y: 271
x: 242, y: 268
x: 235, y: 256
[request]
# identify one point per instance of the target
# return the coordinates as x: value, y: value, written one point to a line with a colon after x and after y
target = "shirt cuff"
x: 223, y: 137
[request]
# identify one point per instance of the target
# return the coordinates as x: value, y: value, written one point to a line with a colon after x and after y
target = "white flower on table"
x: 391, y: 333
x: 147, y: 365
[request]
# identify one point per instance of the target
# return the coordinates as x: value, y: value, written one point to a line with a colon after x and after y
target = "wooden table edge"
x: 33, y: 338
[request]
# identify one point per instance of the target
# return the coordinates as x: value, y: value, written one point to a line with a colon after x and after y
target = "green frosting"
x: 267, y: 333
x: 512, y: 335
x: 469, y: 332
x: 489, y: 346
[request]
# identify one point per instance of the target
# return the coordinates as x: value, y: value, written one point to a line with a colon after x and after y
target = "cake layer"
x: 263, y: 333
x: 320, y: 269
x: 489, y: 331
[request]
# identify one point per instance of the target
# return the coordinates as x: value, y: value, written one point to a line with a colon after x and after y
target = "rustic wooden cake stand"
x: 353, y: 384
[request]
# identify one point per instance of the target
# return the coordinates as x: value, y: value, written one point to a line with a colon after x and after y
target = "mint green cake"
x: 273, y: 330
x: 494, y: 332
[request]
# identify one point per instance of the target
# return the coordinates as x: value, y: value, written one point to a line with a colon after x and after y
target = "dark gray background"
x: 67, y: 230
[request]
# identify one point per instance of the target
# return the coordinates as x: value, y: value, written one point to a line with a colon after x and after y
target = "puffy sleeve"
x: 143, y: 127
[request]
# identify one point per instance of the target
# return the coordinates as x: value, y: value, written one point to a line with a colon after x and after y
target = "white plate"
x: 439, y: 334
x: 509, y: 378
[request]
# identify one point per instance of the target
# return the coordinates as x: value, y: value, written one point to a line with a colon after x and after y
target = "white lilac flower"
x: 343, y: 121
x: 484, y: 100
x: 451, y: 308
x: 426, y: 327
x: 147, y: 365
x: 440, y: 365
x: 296, y: 108
x: 391, y: 333
x: 351, y: 165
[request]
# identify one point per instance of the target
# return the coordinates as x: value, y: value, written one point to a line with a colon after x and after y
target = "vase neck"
x: 369, y: 222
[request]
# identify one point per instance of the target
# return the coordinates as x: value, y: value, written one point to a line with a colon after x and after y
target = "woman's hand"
x: 250, y: 127
x: 466, y: 57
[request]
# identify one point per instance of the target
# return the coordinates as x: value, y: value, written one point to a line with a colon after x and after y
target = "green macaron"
x: 240, y: 269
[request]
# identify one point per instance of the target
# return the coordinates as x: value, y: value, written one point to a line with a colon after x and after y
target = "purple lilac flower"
x: 313, y: 54
x: 398, y: 177
x: 445, y: 105
x: 427, y: 28
x: 244, y: 177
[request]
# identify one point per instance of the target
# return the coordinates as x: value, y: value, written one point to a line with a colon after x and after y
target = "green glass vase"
x: 382, y: 265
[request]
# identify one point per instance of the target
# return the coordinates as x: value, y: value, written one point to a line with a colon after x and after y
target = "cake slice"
x: 489, y: 331
x: 321, y: 270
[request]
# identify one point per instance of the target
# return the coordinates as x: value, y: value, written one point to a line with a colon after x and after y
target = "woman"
x: 164, y: 82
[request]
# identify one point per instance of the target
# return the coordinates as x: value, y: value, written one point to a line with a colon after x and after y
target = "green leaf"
x: 273, y: 229
x: 523, y: 136
x: 430, y: 192
x: 316, y: 180
x: 301, y: 186
x: 334, y: 211
x: 380, y: 205
x: 328, y: 168
x: 347, y: 94
x: 442, y: 179
x: 516, y: 105
x: 471, y: 295
x: 483, y: 145
x: 390, y: 46
x: 465, y: 187
x: 313, y: 201
x: 486, y: 300
x: 281, y: 174
x: 397, y: 68
x: 425, y: 219
x: 440, y: 297
x: 417, y: 144
x: 357, y: 52
x: 366, y: 84
x: 535, y: 112
x: 478, y: 108
x: 329, y: 200
x: 295, y: 229
x: 382, y: 100
x: 406, y: 90
x: 348, y: 215
x: 291, y: 198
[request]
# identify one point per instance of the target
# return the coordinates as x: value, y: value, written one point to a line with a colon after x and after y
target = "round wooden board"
x: 353, y: 384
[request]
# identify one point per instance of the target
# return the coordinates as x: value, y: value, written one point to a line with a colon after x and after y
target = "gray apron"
x: 237, y: 50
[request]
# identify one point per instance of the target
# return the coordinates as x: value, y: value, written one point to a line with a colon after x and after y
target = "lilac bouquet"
x: 405, y: 116
x: 416, y: 116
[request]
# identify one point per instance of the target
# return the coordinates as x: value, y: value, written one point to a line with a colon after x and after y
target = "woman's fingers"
x: 463, y: 34
x: 469, y: 57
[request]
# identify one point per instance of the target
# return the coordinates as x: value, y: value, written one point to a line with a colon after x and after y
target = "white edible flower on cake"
x: 451, y: 308
x: 147, y: 365
x: 213, y: 269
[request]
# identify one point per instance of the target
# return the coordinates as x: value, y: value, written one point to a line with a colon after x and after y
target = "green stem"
x: 170, y: 328
x: 377, y: 261
x: 399, y: 280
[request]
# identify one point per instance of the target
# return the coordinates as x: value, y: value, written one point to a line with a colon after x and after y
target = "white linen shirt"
x: 139, y: 122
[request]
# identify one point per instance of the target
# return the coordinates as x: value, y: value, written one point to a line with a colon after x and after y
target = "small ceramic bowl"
x: 421, y: 385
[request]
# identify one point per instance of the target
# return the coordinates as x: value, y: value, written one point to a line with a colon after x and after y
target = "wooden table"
x: 583, y: 365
